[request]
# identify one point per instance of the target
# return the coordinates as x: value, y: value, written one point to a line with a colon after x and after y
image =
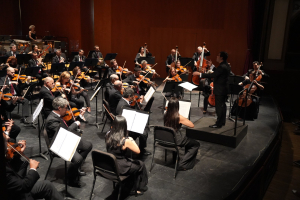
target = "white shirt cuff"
x: 212, y: 66
x: 200, y: 75
x: 32, y: 169
x: 77, y: 122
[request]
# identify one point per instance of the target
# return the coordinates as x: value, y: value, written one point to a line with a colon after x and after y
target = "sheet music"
x: 38, y: 110
x: 188, y: 86
x: 129, y: 116
x: 140, y: 122
x: 136, y: 121
x: 184, y: 108
x: 149, y: 94
x: 65, y: 144
x: 95, y: 93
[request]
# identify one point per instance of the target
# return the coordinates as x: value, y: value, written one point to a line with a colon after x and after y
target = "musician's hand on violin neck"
x: 33, y: 164
x: 23, y: 145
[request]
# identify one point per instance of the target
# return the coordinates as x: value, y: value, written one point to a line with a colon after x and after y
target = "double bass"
x: 211, y: 98
x: 201, y: 67
x: 176, y: 57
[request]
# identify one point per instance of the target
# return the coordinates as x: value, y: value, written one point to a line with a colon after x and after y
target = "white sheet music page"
x: 149, y: 94
x: 140, y: 121
x: 129, y: 116
x: 184, y: 108
x: 65, y: 144
x: 37, y: 110
x: 188, y: 86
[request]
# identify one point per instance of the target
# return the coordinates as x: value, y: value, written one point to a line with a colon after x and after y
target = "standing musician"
x: 220, y: 77
x: 58, y: 58
x: 173, y: 76
x: 34, y: 62
x: 16, y: 88
x: 23, y: 184
x: 80, y: 58
x: 257, y: 70
x: 101, y: 64
x: 197, y: 56
x: 171, y: 59
x: 124, y: 102
x: 32, y: 33
x: 252, y: 109
x: 13, y: 51
x: 53, y: 123
x: 82, y: 81
x: 141, y: 54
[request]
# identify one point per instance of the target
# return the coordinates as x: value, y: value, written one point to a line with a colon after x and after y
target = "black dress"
x: 129, y: 166
x: 33, y: 36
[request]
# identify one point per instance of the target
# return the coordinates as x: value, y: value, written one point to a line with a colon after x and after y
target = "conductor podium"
x: 224, y: 136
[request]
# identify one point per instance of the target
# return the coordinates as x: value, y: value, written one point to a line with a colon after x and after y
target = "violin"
x: 201, y: 67
x: 176, y: 78
x: 123, y: 70
x: 7, y: 96
x: 145, y: 80
x: 13, y: 148
x: 69, y: 116
x: 136, y: 101
x: 83, y: 76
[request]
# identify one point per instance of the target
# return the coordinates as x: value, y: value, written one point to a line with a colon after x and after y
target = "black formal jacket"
x: 56, y: 59
x: 48, y: 98
x: 196, y: 56
x: 97, y: 55
x: 76, y: 58
x: 19, y: 186
x: 18, y: 88
x: 111, y: 71
x: 220, y: 76
x: 6, y: 106
x: 122, y: 104
x: 142, y: 85
x: 32, y: 63
x: 114, y: 99
x: 170, y: 59
x: 54, y: 122
x: 10, y: 53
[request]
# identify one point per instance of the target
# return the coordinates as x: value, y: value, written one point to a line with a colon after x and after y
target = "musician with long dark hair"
x: 174, y: 120
x: 117, y: 143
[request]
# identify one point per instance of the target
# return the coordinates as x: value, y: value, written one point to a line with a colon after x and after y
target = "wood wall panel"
x: 163, y: 25
x: 10, y: 18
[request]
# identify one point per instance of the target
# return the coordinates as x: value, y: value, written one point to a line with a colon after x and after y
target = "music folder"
x: 149, y: 94
x: 64, y: 144
x: 184, y: 107
x: 187, y: 85
x: 136, y: 120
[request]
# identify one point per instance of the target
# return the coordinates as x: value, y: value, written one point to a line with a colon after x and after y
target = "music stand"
x: 32, y: 71
x: 3, y: 59
x: 184, y: 61
x: 57, y: 67
x: 90, y: 62
x: 90, y: 54
x: 110, y: 56
x: 150, y: 60
x: 48, y: 57
x: 35, y: 116
x: 75, y: 64
x: 23, y: 58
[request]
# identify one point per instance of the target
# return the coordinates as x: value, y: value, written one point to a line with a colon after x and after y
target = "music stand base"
x: 97, y: 124
x: 40, y: 155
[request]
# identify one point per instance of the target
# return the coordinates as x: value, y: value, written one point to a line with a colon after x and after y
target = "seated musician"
x: 113, y: 67
x: 131, y: 79
x: 80, y: 58
x: 10, y: 128
x: 16, y: 88
x: 53, y: 123
x: 97, y: 54
x: 143, y: 66
x: 82, y: 82
x: 34, y: 62
x: 252, y: 109
x: 48, y: 96
x: 35, y: 49
x: 173, y: 119
x: 12, y: 62
x: 13, y: 51
x: 173, y: 76
x: 115, y: 96
x: 197, y: 56
x: 22, y: 183
x: 171, y: 59
x: 109, y: 87
x: 117, y: 143
x: 124, y: 102
x: 58, y: 58
x: 256, y: 65
x: 141, y: 54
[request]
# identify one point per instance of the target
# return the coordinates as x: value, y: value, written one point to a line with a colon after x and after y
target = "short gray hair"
x: 47, y: 79
x: 113, y: 76
x: 144, y: 61
x: 12, y: 45
x: 59, y: 102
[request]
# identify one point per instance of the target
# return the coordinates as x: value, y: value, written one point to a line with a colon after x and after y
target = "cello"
x: 201, y: 67
x: 211, y: 98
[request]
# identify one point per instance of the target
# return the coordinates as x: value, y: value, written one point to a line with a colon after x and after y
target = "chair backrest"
x: 165, y: 135
x: 106, y: 163
x: 108, y: 114
x: 46, y: 138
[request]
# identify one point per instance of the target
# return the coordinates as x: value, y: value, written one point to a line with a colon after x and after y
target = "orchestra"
x: 66, y: 100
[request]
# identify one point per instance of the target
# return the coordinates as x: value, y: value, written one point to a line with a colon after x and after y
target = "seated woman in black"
x: 251, y: 109
x: 174, y: 120
x: 117, y: 142
x: 173, y: 76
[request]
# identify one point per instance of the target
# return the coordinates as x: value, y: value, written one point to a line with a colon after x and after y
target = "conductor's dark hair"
x: 128, y: 93
x: 117, y: 133
x: 171, y: 117
x: 224, y: 55
x: 255, y: 62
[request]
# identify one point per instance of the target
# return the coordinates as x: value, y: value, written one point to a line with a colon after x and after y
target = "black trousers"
x: 142, y: 138
x: 25, y: 107
x: 86, y: 98
x: 221, y: 109
x: 191, y: 146
x: 45, y: 190
x: 76, y: 102
x: 14, y: 132
x: 83, y: 149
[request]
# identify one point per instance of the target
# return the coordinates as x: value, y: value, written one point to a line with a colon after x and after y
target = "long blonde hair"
x: 63, y: 76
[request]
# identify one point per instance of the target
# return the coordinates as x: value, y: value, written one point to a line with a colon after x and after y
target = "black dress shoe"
x: 77, y: 184
x: 24, y: 120
x: 81, y: 173
x: 138, y: 193
x: 214, y: 126
x: 146, y: 153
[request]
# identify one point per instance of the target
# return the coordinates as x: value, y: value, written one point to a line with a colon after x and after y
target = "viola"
x: 68, y: 116
x: 176, y: 78
x: 259, y: 76
x: 211, y: 98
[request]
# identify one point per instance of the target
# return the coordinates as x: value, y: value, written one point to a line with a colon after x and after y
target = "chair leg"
x: 176, y: 165
x: 120, y: 190
x: 152, y: 157
x: 93, y: 187
x: 166, y: 155
x: 174, y: 156
x: 103, y: 113
x: 135, y: 184
x: 49, y: 168
x: 104, y: 125
x: 199, y: 98
x: 18, y: 107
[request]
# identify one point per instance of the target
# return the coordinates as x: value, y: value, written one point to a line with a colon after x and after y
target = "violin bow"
x: 23, y: 156
x: 73, y: 83
x: 19, y: 74
x: 122, y: 70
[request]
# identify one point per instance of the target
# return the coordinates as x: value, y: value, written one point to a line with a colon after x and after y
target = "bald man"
x: 197, y: 55
x: 115, y: 97
x: 171, y: 58
x: 16, y: 88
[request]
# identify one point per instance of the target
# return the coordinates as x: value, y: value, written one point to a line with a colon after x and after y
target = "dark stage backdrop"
x: 123, y: 26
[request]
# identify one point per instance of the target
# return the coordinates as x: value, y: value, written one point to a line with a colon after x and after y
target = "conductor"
x: 220, y: 76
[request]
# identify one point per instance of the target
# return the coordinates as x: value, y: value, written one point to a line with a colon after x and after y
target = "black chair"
x: 107, y: 113
x: 165, y: 137
x: 105, y: 166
